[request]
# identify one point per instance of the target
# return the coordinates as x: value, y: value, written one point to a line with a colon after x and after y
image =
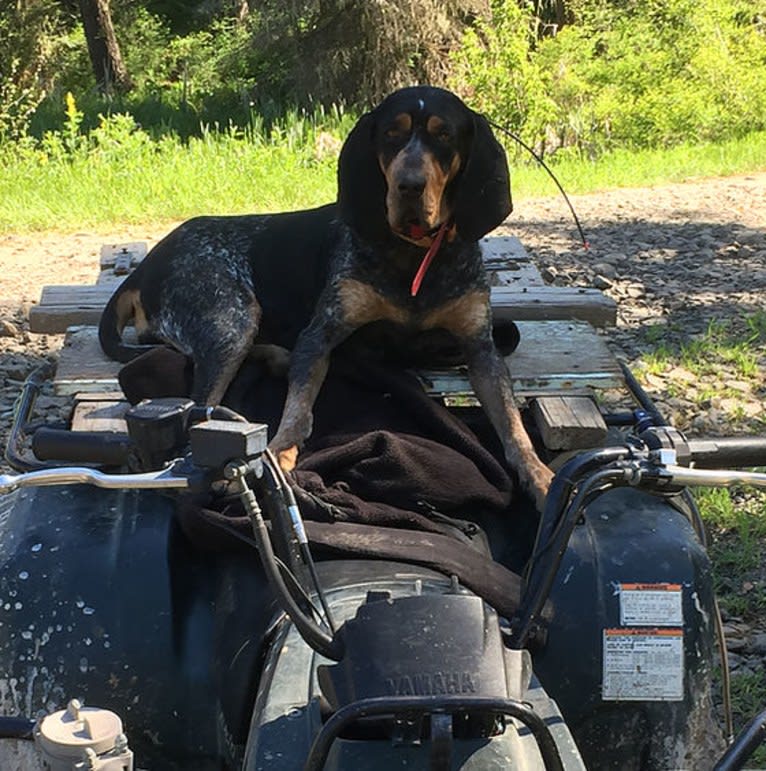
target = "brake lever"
x: 170, y: 477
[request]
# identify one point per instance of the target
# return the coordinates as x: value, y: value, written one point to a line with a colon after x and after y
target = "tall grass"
x: 117, y: 173
x: 640, y: 168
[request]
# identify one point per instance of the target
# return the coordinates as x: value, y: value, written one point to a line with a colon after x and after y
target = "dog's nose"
x: 412, y: 184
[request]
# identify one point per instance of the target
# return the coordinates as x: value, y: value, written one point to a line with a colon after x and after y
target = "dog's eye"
x: 444, y: 136
x: 394, y: 132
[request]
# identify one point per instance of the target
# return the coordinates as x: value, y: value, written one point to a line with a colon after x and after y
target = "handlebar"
x: 697, y: 477
x: 728, y: 452
x: 657, y: 462
x: 102, y: 447
x: 168, y: 478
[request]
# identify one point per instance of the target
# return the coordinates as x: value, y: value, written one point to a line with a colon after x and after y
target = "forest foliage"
x: 570, y: 76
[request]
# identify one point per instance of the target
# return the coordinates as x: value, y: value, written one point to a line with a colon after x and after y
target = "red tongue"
x: 430, y: 254
x: 416, y: 232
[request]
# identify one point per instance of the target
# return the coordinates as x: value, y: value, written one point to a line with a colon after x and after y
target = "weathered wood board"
x: 61, y: 307
x: 508, y: 263
x: 553, y: 303
x: 123, y: 256
x: 518, y: 291
x: 83, y: 367
x: 552, y: 357
x: 568, y: 422
x: 104, y: 414
x: 119, y: 260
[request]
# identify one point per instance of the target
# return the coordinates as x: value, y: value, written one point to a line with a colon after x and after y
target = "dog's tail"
x: 123, y: 306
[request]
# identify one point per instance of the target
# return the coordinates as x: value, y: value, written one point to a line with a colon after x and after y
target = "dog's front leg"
x: 491, y: 383
x: 308, y: 367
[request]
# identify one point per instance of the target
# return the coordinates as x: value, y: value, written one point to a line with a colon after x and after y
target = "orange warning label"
x: 651, y: 587
x: 651, y: 605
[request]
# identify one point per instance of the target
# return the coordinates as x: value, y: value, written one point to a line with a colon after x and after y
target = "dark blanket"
x: 382, y: 451
x: 382, y: 454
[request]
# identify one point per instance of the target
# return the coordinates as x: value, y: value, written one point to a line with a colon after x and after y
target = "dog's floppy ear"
x: 483, y: 197
x: 361, y: 186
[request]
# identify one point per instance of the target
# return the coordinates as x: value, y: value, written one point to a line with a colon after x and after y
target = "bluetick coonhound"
x: 420, y: 179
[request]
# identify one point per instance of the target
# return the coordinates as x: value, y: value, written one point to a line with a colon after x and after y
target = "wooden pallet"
x: 518, y: 291
x: 560, y: 361
x: 561, y: 357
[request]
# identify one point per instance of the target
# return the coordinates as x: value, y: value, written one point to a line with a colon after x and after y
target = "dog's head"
x: 419, y: 159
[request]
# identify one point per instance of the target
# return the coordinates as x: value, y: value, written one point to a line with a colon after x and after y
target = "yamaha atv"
x: 123, y: 645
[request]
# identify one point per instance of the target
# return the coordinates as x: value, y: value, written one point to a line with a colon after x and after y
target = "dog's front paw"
x: 288, y: 458
x: 539, y: 482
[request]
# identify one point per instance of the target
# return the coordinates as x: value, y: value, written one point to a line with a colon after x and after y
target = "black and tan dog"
x: 420, y: 179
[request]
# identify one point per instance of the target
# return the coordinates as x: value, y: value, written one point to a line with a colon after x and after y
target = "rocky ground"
x: 681, y: 260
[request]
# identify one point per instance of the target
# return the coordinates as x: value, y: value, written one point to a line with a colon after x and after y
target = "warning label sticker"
x: 643, y: 665
x: 651, y: 605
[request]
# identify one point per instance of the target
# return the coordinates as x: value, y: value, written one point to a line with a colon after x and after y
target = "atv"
x: 124, y: 644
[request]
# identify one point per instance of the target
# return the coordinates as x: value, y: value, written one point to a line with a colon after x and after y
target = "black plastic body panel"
x: 629, y: 537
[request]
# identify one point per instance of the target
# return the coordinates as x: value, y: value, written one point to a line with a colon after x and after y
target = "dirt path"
x: 27, y: 262
x: 30, y: 261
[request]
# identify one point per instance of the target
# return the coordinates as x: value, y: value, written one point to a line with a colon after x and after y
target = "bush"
x: 635, y: 75
x: 591, y: 76
x: 495, y: 71
x: 28, y: 42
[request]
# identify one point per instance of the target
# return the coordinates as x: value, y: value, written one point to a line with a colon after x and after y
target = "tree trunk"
x: 241, y: 9
x: 105, y: 56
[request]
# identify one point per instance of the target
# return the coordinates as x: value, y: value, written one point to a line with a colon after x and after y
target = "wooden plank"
x: 65, y: 306
x: 508, y: 263
x: 552, y: 357
x: 61, y: 307
x: 502, y: 248
x: 111, y: 279
x: 518, y: 290
x: 123, y: 257
x: 92, y: 296
x: 119, y: 261
x: 98, y: 396
x: 100, y: 415
x: 83, y: 366
x: 568, y: 422
x: 552, y: 303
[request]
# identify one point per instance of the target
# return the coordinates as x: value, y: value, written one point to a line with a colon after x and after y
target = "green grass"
x: 748, y: 693
x: 118, y: 174
x: 726, y: 363
x: 640, y: 168
x: 161, y: 182
x: 738, y: 522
